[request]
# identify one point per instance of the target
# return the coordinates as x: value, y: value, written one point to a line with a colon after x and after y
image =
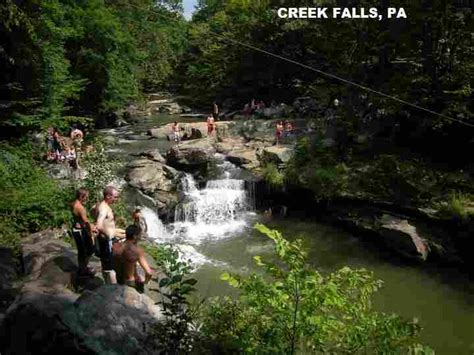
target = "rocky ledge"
x: 48, y: 316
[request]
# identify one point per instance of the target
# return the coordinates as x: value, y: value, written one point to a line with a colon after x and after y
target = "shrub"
x: 458, y: 206
x: 273, y: 176
x: 293, y: 308
x: 173, y: 335
x: 101, y: 170
x: 30, y: 199
x: 328, y: 182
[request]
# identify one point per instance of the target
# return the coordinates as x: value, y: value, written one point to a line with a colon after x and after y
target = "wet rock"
x: 279, y: 111
x: 194, y: 115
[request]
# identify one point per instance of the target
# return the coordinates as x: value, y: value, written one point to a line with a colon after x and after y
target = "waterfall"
x: 220, y: 210
x: 213, y: 212
x: 157, y: 232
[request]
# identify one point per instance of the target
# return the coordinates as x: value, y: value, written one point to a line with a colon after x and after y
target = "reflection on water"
x: 441, y: 299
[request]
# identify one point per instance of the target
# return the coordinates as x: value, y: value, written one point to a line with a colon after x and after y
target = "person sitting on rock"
x: 126, y: 257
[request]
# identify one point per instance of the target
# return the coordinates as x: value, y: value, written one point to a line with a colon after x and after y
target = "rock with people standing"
x: 191, y: 154
x: 48, y: 316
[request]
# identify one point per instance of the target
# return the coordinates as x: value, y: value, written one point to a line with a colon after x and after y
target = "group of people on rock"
x: 283, y: 131
x: 64, y: 149
x: 121, y: 258
x: 252, y: 107
x: 210, y: 122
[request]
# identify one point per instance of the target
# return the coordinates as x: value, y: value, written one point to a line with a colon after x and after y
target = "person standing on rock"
x: 210, y: 125
x: 108, y: 233
x: 175, y: 130
x: 82, y: 232
x: 278, y: 132
x: 77, y: 137
x: 126, y: 257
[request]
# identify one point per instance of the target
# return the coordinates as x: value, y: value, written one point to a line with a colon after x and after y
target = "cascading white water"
x: 213, y: 212
x: 218, y: 211
x: 155, y: 229
x: 157, y: 232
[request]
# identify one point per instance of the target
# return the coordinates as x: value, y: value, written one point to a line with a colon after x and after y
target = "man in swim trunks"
x: 108, y: 233
x: 126, y: 257
x: 210, y: 125
x: 82, y: 232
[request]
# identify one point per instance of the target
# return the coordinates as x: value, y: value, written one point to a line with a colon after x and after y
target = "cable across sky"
x: 335, y: 77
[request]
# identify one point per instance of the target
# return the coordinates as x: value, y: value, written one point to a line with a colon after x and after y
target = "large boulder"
x: 401, y: 235
x: 277, y: 154
x: 154, y: 155
x: 191, y: 154
x: 48, y: 316
x: 163, y: 104
x: 155, y: 179
x: 149, y: 176
x: 113, y: 319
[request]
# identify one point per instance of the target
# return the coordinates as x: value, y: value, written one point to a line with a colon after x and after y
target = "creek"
x: 213, y: 228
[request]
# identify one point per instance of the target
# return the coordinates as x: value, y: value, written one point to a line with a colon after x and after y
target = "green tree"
x: 294, y: 308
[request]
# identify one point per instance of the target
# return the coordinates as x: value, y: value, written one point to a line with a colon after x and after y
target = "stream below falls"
x: 213, y: 228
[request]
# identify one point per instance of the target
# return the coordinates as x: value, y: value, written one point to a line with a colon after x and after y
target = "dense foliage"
x: 31, y: 201
x: 426, y: 59
x: 175, y: 333
x: 292, y: 308
x: 65, y: 59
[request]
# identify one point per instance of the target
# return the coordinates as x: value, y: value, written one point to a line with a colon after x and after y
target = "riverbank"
x: 208, y: 195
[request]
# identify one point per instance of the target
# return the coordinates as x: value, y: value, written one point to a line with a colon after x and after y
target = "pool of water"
x: 442, y: 299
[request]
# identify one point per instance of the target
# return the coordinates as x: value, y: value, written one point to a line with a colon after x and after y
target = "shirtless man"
x: 126, y: 256
x: 82, y: 231
x: 105, y: 224
x: 210, y: 125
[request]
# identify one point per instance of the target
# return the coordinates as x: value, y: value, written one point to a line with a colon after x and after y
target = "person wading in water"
x: 126, y: 257
x: 108, y: 233
x: 82, y: 231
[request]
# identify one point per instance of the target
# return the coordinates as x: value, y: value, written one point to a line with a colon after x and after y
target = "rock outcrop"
x: 49, y: 317
x: 277, y: 154
x: 401, y: 235
x: 155, y: 179
x: 192, y: 154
